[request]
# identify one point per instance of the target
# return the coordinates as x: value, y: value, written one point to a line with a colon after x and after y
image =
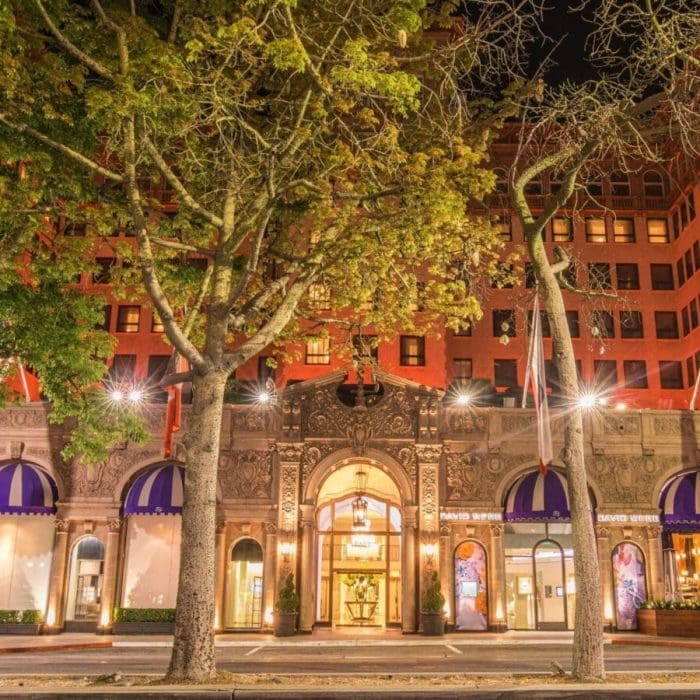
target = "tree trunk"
x: 587, y: 660
x: 193, y: 646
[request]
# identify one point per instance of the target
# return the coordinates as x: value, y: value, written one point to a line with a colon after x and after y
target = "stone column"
x: 220, y: 576
x: 497, y: 580
x: 109, y: 574
x: 429, y: 518
x: 56, y: 599
x: 288, y: 511
x: 655, y: 565
x: 446, y: 571
x: 307, y: 582
x: 408, y: 571
x: 603, y: 545
x: 269, y: 573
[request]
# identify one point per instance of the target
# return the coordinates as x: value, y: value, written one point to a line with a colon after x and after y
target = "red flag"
x: 20, y: 380
x: 536, y: 374
x: 173, y: 409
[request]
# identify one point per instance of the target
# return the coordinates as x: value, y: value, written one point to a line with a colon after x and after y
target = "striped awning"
x: 158, y: 491
x: 537, y: 497
x: 26, y: 489
x: 680, y: 503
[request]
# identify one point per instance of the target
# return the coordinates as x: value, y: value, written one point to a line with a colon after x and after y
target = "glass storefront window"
x: 686, y: 548
x: 85, y: 582
x: 244, y: 585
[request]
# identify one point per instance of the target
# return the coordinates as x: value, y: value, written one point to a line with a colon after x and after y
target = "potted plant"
x: 667, y: 618
x: 432, y: 615
x: 286, y: 609
x: 20, y: 621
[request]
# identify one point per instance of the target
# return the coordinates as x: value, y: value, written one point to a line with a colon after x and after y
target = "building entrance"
x: 359, y: 546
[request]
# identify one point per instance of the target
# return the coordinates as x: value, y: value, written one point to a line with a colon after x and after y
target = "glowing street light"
x: 587, y: 400
x: 463, y: 399
x: 116, y: 395
x: 135, y: 396
x: 264, y: 397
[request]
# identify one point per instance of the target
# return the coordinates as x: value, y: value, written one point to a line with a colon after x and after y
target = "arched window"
x: 653, y: 184
x: 629, y: 583
x: 244, y: 585
x: 85, y: 581
x: 471, y: 603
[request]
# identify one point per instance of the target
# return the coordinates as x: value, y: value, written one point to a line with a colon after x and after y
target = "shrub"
x: 287, y: 600
x: 433, y: 600
x: 21, y: 617
x: 144, y: 615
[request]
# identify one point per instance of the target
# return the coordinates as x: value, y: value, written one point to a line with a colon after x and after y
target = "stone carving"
x: 675, y: 426
x: 621, y: 425
x: 16, y: 448
x: 496, y: 530
x: 291, y: 417
x: 326, y: 416
x: 246, y: 474
x: 429, y: 497
x: 406, y: 456
x: 520, y: 423
x: 602, y: 531
x: 465, y: 422
x: 250, y: 419
x: 472, y: 476
x: 313, y: 454
x: 270, y: 528
x: 114, y: 525
x: 429, y: 453
x: 23, y: 418
x: 360, y: 430
x: 428, y: 418
x: 288, y: 497
x: 61, y: 525
x: 289, y: 453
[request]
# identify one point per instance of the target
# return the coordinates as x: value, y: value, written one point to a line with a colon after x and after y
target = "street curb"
x: 689, y: 644
x: 101, y: 644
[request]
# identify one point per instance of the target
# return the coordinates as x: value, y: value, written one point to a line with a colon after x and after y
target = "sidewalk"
x: 13, y: 644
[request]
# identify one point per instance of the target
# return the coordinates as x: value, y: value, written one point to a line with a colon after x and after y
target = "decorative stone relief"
x: 406, y: 456
x: 288, y: 497
x: 312, y: 455
x: 429, y: 453
x: 472, y: 476
x: 289, y: 453
x: 114, y: 525
x: 517, y: 423
x: 246, y: 474
x: 428, y: 418
x: 429, y: 497
x: 463, y: 422
x: 251, y: 419
x: 675, y: 426
x: 23, y: 418
x: 621, y: 425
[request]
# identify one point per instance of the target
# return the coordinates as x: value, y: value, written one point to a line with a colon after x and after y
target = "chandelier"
x: 359, y: 504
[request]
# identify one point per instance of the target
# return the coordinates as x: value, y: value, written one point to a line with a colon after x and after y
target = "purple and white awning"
x: 157, y: 491
x: 26, y: 489
x: 680, y: 503
x: 535, y: 497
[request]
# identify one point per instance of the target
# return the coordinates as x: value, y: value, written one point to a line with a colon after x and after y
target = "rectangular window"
x: 693, y: 313
x: 318, y: 351
x: 680, y: 269
x: 503, y: 323
x: 670, y: 374
x: 688, y: 264
x: 128, y: 319
x: 107, y: 325
x: 504, y: 227
x: 685, y: 321
x: 562, y: 229
x: 635, y: 372
x: 631, y: 325
x: 619, y: 184
x: 595, y: 230
x: 156, y: 323
x: 661, y: 276
x: 412, y: 351
x: 462, y: 368
x: 599, y: 276
x: 530, y: 278
x: 544, y: 324
x: 505, y: 373
x: 319, y: 296
x: 605, y: 373
x: 157, y: 367
x: 365, y: 346
x: 464, y: 332
x: 666, y: 325
x: 676, y: 224
x: 691, y: 204
x: 696, y: 254
x: 416, y: 302
x: 603, y: 326
x: 265, y: 372
x: 683, y: 209
x: 73, y: 228
x: 103, y: 274
x: 627, y: 275
x: 657, y: 230
x: 572, y: 322
x: 123, y: 368
x: 623, y: 230
x: 690, y: 368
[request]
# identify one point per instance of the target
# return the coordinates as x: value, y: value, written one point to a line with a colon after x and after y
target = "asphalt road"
x: 452, y: 657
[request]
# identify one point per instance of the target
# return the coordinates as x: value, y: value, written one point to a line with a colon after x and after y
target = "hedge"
x: 21, y: 617
x: 670, y: 605
x: 144, y: 615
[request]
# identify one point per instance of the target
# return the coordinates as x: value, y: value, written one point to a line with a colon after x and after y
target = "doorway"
x: 244, y: 578
x: 85, y: 581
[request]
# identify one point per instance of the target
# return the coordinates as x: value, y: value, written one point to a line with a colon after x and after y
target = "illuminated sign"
x: 475, y: 516
x: 627, y: 518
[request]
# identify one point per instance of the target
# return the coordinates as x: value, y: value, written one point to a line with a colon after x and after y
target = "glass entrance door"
x: 550, y: 591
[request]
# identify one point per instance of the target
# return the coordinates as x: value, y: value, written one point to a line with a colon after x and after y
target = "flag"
x: 535, y: 372
x: 22, y: 381
x: 173, y: 409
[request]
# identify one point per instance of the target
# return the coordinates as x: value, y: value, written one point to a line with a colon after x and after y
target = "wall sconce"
x: 286, y: 550
x: 429, y: 552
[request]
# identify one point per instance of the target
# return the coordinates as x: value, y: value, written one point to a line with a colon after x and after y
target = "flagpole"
x: 535, y: 309
x: 696, y: 389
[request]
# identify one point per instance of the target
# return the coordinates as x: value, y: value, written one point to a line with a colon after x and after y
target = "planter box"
x: 284, y: 624
x: 432, y: 624
x: 20, y: 629
x: 669, y: 623
x: 143, y: 628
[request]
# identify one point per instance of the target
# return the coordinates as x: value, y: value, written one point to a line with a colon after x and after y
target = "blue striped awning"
x: 158, y: 491
x: 26, y: 489
x: 680, y: 503
x: 536, y: 497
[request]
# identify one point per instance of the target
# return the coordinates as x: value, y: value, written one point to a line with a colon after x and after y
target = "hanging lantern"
x: 359, y: 512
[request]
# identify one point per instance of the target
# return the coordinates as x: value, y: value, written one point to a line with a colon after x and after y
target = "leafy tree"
x: 316, y: 141
x: 642, y: 107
